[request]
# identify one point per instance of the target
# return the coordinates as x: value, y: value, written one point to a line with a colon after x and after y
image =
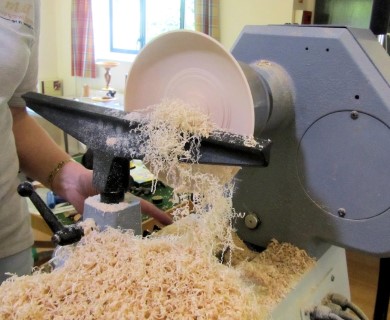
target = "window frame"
x: 143, y: 23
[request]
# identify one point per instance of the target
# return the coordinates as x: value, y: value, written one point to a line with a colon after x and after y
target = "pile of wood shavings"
x: 115, y: 275
x: 276, y: 271
x: 272, y: 274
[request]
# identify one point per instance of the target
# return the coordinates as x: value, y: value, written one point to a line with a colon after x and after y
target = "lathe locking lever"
x: 62, y: 235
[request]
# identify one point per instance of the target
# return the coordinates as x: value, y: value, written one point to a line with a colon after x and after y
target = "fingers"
x: 156, y: 213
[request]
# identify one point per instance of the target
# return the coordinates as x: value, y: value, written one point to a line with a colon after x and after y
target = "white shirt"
x: 19, y: 33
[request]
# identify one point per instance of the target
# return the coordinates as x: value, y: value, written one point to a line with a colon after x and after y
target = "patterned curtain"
x: 207, y: 17
x: 83, y: 56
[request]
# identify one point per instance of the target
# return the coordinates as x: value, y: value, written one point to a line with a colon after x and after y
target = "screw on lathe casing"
x: 341, y: 212
x: 251, y: 221
x: 332, y: 278
x: 354, y: 115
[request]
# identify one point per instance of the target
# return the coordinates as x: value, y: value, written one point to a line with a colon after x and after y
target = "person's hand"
x: 74, y: 183
x: 152, y: 211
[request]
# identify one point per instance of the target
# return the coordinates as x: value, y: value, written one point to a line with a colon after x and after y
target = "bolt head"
x: 354, y: 115
x: 251, y: 221
x: 342, y: 212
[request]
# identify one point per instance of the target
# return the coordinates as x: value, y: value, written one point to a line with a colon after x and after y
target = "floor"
x: 363, y: 276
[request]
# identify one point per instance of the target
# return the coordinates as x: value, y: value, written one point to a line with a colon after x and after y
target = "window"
x: 123, y: 27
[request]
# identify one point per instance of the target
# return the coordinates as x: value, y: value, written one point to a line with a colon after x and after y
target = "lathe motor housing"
x: 322, y: 96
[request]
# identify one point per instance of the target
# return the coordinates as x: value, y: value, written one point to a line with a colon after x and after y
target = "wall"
x: 54, y: 59
x: 63, y: 43
x: 54, y: 49
x: 48, y: 48
x: 236, y: 14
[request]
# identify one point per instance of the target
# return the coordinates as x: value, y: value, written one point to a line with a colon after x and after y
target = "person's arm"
x: 39, y: 155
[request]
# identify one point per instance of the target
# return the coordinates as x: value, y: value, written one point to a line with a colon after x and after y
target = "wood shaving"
x: 94, y: 202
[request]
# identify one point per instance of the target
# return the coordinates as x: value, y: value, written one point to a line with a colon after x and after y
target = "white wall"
x: 48, y: 48
x: 236, y: 14
x: 55, y: 58
x: 63, y: 43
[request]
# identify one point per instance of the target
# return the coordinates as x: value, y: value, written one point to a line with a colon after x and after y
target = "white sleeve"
x: 30, y: 80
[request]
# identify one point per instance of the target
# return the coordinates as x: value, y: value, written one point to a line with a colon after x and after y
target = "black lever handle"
x: 62, y: 235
